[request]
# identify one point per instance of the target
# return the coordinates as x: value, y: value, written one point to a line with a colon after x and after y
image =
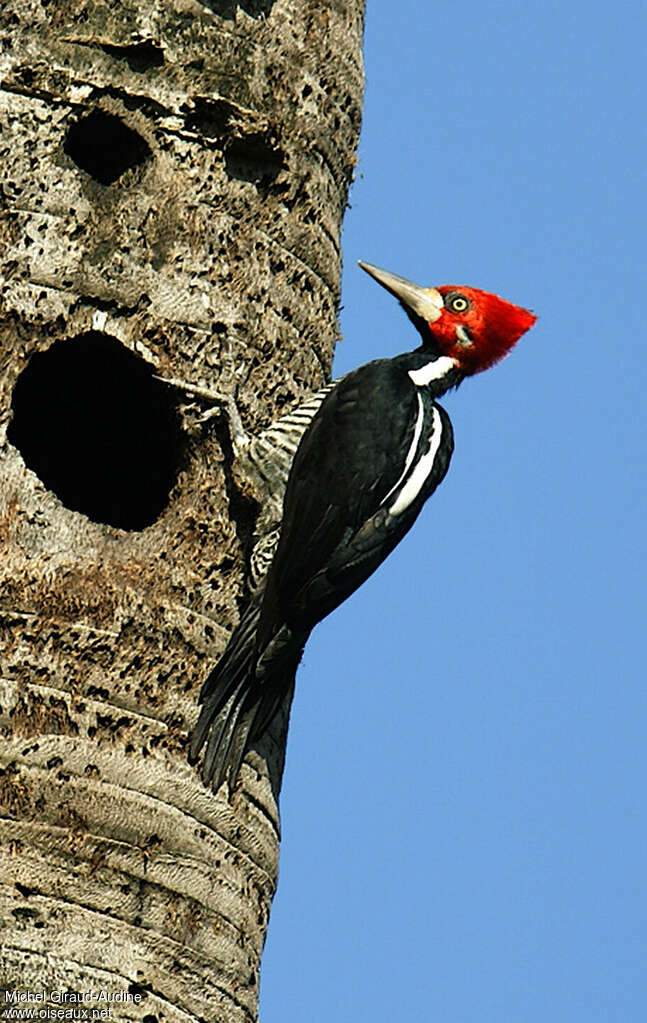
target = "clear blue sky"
x: 464, y: 804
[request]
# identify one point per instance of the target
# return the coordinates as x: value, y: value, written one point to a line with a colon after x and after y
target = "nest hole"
x: 97, y: 428
x: 104, y: 147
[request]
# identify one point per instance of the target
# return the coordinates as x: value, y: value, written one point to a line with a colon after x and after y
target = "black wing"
x: 350, y: 468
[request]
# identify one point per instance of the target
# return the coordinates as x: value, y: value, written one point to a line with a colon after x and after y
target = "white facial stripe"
x: 463, y: 337
x: 412, y: 450
x: 416, y: 481
x: 435, y: 370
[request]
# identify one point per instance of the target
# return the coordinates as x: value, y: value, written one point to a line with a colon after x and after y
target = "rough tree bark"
x: 174, y: 176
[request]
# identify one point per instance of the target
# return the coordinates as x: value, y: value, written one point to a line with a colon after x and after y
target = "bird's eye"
x: 458, y: 303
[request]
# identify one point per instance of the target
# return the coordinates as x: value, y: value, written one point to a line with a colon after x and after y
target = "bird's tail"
x: 240, y: 698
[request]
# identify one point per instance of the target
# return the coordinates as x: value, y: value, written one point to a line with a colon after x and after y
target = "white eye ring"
x: 458, y: 304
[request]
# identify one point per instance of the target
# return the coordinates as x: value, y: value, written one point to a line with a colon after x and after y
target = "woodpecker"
x: 372, y: 448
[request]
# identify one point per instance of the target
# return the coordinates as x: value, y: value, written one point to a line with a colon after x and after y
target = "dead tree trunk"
x: 173, y: 182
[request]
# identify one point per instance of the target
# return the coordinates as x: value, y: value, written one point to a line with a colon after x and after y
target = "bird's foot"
x: 221, y: 404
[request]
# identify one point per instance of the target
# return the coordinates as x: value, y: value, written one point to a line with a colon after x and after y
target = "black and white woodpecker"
x: 370, y: 449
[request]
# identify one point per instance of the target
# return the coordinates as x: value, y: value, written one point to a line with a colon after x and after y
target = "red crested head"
x: 476, y: 328
x: 473, y: 328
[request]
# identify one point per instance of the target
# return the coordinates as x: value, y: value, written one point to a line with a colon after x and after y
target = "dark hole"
x: 252, y: 159
x: 103, y: 146
x: 209, y: 117
x: 139, y: 989
x: 139, y: 57
x: 96, y: 427
x: 227, y: 8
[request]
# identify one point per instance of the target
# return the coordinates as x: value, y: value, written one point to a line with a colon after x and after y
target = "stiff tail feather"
x: 240, y: 699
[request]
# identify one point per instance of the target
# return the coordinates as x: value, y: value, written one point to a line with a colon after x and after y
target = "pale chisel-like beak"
x: 427, y: 303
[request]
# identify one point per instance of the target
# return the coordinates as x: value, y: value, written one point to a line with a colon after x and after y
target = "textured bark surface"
x: 173, y: 181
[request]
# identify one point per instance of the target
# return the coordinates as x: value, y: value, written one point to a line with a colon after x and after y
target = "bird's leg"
x: 221, y: 403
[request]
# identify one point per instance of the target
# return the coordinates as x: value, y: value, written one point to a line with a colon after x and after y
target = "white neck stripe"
x: 434, y: 370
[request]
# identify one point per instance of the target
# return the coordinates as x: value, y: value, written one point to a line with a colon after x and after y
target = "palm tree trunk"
x: 174, y: 179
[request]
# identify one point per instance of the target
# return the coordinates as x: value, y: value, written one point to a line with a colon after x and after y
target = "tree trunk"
x: 174, y: 178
